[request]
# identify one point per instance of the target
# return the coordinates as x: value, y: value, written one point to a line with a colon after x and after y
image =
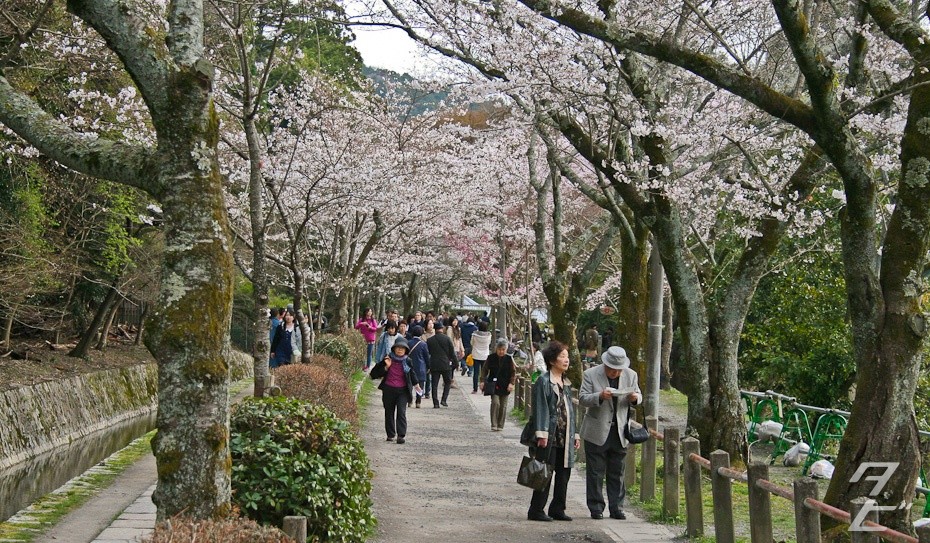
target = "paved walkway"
x: 453, y: 481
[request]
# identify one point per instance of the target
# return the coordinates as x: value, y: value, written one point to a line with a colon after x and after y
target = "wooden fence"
x: 684, y: 464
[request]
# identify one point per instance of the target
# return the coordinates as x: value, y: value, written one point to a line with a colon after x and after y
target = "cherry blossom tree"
x: 161, y: 49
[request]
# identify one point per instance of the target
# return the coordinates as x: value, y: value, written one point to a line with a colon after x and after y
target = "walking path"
x: 453, y: 481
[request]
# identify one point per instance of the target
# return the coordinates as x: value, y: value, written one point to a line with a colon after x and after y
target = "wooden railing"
x: 804, y: 493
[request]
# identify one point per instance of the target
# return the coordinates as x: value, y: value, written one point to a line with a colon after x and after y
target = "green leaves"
x: 296, y: 458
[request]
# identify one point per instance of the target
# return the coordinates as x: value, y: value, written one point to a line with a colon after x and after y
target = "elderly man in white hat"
x: 608, y: 391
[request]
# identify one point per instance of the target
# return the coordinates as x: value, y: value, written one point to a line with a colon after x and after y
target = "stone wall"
x: 38, y: 418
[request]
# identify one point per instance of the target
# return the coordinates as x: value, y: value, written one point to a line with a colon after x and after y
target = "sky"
x: 389, y: 48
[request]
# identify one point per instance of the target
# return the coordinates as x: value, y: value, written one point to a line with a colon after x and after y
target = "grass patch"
x: 364, y: 395
x: 47, y: 511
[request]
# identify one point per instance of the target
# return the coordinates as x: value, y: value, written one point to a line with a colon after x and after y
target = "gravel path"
x: 455, y: 481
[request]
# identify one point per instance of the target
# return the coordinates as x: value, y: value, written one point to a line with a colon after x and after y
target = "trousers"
x: 395, y: 410
x: 605, y: 461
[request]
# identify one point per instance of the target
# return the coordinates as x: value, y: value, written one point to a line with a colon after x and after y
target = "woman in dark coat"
x: 498, y: 376
x: 554, y: 425
x: 399, y: 385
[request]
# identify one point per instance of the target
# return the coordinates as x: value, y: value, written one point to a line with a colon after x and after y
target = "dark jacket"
x: 441, y: 353
x: 379, y: 371
x: 468, y: 328
x: 419, y: 357
x: 502, y: 370
x: 545, y: 414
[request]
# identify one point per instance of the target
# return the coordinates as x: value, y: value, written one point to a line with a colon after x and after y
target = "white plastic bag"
x: 768, y: 431
x: 822, y: 469
x: 796, y: 454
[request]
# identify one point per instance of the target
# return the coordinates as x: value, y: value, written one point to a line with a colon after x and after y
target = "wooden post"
x: 518, y: 395
x: 528, y: 396
x: 295, y: 528
x: 670, y: 487
x: 807, y: 521
x: 855, y: 507
x: 694, y: 506
x: 923, y: 533
x: 721, y: 488
x: 647, y: 485
x: 629, y: 467
x: 760, y: 505
x: 580, y: 453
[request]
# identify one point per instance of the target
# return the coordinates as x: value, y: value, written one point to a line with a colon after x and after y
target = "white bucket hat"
x: 615, y: 358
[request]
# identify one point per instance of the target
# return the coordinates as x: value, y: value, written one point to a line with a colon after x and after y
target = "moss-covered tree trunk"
x: 633, y: 307
x: 189, y: 330
x: 261, y: 348
x: 888, y: 320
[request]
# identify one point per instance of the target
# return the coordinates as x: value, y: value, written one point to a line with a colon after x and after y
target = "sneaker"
x: 401, y: 441
x: 618, y: 514
x: 444, y: 404
x: 463, y: 371
x: 391, y: 438
x: 474, y: 391
x: 426, y: 396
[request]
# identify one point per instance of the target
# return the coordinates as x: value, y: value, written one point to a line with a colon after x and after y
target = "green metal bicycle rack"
x: 831, y: 425
x: 760, y: 408
x: 795, y: 427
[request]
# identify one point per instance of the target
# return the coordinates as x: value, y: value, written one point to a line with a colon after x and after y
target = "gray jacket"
x: 596, y: 423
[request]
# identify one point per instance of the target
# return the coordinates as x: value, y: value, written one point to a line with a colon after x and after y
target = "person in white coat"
x: 608, y: 391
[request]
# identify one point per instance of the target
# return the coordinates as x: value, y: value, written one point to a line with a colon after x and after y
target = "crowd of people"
x: 412, y: 355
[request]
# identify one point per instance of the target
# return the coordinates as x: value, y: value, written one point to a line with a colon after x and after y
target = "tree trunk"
x: 90, y: 334
x: 189, y: 332
x: 665, y: 382
x: 305, y: 332
x: 632, y: 308
x: 105, y: 332
x: 261, y: 346
x: 142, y: 317
x: 564, y: 319
x: 889, y: 327
x: 8, y: 328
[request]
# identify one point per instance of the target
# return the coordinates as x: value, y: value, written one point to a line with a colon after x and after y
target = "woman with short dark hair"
x: 554, y: 426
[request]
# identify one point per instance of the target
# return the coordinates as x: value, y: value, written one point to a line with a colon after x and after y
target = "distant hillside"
x: 420, y: 101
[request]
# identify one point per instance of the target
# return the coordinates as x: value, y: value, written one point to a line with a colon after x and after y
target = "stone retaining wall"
x: 38, y: 418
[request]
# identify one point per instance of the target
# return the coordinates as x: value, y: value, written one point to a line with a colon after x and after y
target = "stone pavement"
x: 453, y: 481
x: 134, y: 523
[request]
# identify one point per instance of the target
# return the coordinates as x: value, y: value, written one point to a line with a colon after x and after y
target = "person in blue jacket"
x: 468, y: 327
x: 419, y: 360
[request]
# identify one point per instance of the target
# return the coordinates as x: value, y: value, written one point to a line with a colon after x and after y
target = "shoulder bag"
x: 634, y: 434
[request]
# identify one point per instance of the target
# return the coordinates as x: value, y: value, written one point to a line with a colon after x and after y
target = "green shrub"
x: 340, y: 349
x: 234, y: 530
x: 296, y: 458
x: 321, y: 385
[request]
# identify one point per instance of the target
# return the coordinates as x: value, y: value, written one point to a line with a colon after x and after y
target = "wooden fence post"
x: 672, y: 465
x: 760, y: 505
x: 580, y: 453
x: 295, y: 528
x: 855, y: 507
x: 722, y: 490
x: 528, y: 396
x: 518, y: 396
x: 923, y: 533
x: 807, y: 521
x: 694, y: 506
x: 647, y: 485
x: 629, y: 468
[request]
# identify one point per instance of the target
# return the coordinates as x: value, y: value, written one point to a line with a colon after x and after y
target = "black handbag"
x: 534, y: 473
x: 528, y: 436
x: 490, y: 386
x: 639, y: 434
